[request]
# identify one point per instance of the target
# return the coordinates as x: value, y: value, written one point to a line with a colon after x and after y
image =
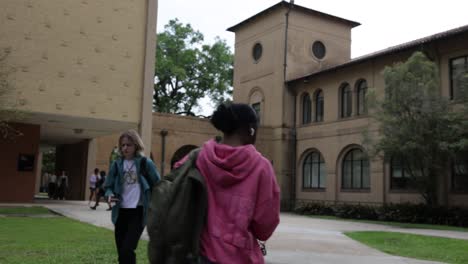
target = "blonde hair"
x: 133, y: 136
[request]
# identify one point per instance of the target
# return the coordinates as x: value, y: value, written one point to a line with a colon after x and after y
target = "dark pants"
x: 128, y: 230
x: 51, y: 190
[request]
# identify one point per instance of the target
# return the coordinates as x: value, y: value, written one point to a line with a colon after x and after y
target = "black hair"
x: 231, y: 117
x: 102, y: 173
x: 96, y: 170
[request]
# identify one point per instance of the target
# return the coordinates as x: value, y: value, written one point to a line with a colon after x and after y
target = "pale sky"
x: 383, y: 23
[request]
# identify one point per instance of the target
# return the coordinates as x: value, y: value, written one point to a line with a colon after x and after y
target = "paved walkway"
x: 297, y: 240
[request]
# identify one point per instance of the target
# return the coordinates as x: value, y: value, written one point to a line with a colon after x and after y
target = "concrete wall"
x: 76, y: 58
x: 19, y: 186
x: 181, y: 131
x: 303, y: 31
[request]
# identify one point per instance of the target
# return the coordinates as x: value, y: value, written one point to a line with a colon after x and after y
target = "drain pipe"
x: 163, y: 134
x: 294, y: 150
x: 285, y: 62
x: 285, y: 90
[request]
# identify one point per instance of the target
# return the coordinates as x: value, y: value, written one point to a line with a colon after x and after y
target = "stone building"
x: 292, y: 64
x: 80, y: 69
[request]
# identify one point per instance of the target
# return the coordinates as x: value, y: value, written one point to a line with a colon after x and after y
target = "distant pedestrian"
x: 131, y: 190
x: 100, y: 192
x: 93, y: 179
x: 63, y: 186
x: 44, y: 182
x: 52, y: 186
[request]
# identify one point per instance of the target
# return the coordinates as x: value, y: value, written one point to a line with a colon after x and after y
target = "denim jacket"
x: 114, y: 184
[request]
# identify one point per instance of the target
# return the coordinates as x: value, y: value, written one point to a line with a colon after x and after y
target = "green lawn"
x: 415, y: 246
x: 395, y: 224
x: 29, y: 240
x: 23, y: 210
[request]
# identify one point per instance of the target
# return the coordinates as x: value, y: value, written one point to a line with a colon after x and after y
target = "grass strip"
x: 415, y: 246
x: 23, y: 210
x: 58, y: 240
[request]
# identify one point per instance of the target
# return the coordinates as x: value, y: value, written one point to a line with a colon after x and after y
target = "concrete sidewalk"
x: 298, y: 239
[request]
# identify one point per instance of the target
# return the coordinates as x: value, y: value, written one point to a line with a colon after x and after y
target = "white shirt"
x: 92, y: 180
x: 53, y: 178
x: 131, y: 188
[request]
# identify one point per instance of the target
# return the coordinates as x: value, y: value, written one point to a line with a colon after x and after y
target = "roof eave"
x: 287, y: 4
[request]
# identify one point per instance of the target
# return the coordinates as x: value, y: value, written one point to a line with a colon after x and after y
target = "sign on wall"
x: 25, y: 162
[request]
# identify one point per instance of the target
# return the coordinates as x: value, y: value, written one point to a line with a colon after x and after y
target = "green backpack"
x: 176, y: 215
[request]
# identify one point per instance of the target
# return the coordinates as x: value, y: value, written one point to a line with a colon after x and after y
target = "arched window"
x: 306, y: 109
x: 313, y: 171
x: 460, y: 174
x: 319, y: 106
x: 458, y: 69
x: 399, y: 175
x: 256, y: 100
x: 257, y: 108
x: 346, y: 100
x: 355, y: 170
x: 361, y: 97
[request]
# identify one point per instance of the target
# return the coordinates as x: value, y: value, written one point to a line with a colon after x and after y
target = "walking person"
x: 243, y: 194
x: 131, y: 191
x: 52, y: 186
x: 100, y: 192
x: 63, y: 186
x: 93, y: 179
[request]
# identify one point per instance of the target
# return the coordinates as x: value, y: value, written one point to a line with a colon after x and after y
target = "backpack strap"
x: 193, y: 155
x: 144, y: 171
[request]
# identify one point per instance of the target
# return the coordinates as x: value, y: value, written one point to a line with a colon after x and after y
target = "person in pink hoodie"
x: 243, y: 195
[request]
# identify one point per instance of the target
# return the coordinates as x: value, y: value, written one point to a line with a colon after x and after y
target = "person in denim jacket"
x: 130, y: 190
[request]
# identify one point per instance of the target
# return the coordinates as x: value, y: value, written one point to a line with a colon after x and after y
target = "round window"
x: 319, y: 50
x: 257, y: 51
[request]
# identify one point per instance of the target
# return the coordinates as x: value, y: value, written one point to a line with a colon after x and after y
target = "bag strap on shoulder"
x: 193, y: 155
x: 143, y: 169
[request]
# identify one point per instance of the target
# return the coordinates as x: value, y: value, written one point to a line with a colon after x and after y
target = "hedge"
x: 405, y: 213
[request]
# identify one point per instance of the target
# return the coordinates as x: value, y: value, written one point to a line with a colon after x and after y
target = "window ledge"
x: 353, y: 117
x: 366, y: 190
x: 314, y: 189
x: 460, y: 192
x: 399, y: 191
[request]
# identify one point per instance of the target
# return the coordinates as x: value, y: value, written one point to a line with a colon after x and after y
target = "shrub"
x: 405, y: 212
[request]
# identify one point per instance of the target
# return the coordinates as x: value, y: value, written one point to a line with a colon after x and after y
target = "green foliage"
x: 187, y: 70
x: 447, y: 250
x: 417, y: 125
x: 29, y: 240
x: 48, y: 161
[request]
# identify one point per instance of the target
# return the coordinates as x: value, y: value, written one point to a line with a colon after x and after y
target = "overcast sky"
x: 383, y: 23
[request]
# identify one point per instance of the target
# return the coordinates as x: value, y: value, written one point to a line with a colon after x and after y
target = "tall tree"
x: 187, y: 70
x: 417, y: 126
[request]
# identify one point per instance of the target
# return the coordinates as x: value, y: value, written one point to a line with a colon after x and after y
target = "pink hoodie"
x: 243, y: 202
